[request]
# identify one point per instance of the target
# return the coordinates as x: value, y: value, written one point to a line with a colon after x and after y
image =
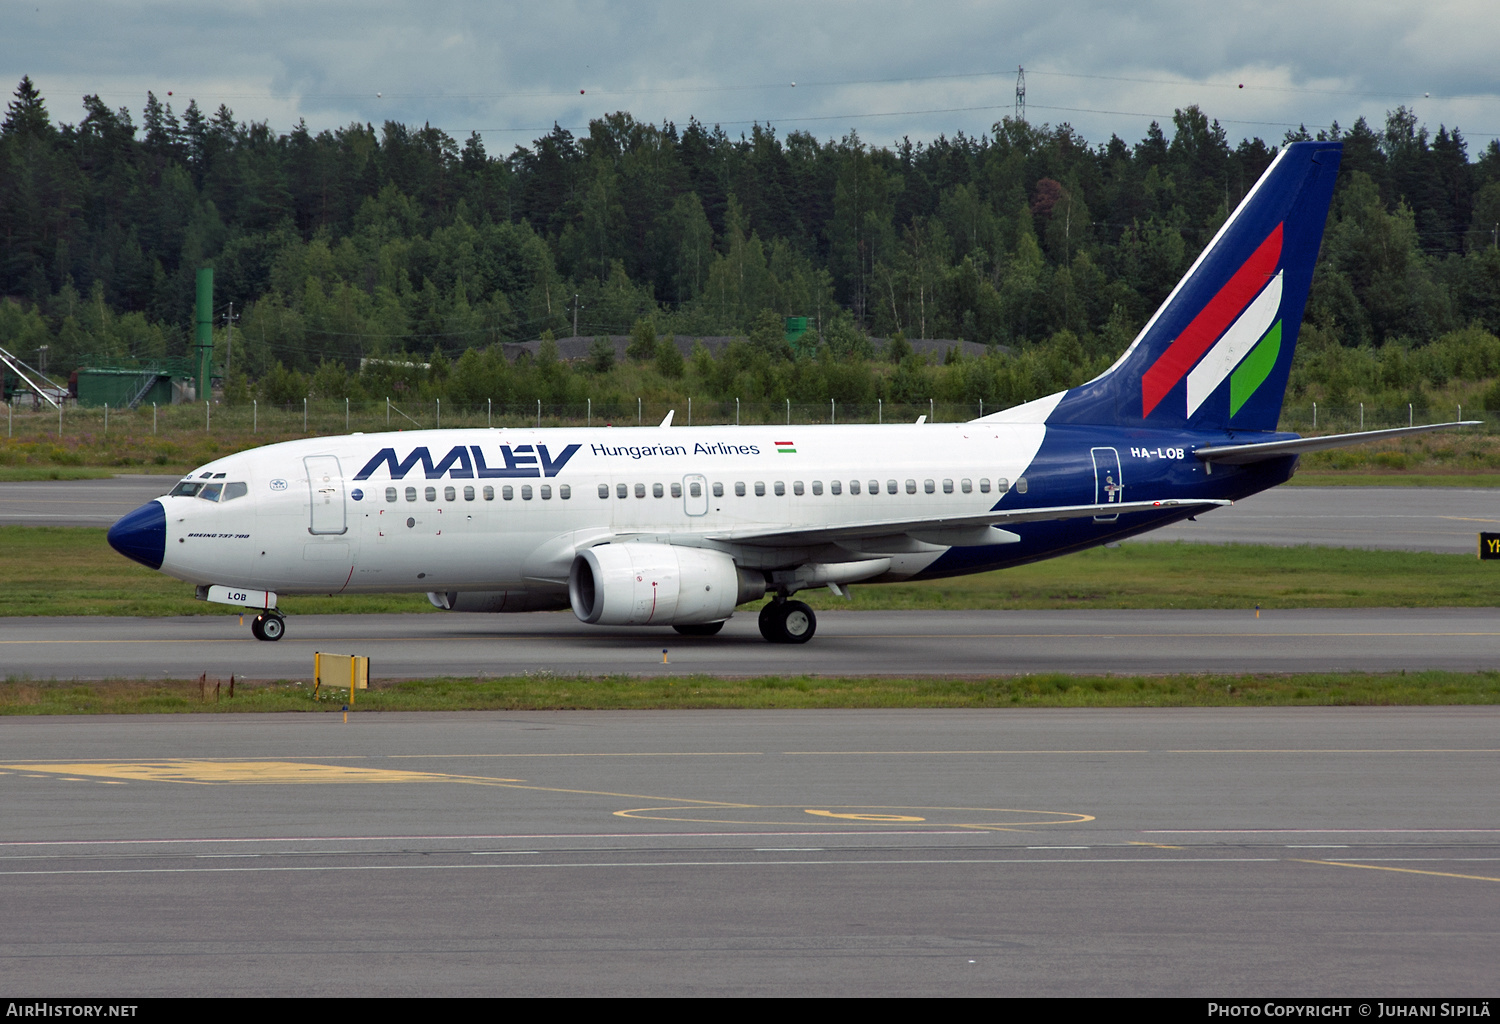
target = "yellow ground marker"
x: 219, y: 772
x: 1407, y: 871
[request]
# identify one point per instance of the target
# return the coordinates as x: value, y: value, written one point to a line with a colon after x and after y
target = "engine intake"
x: 658, y: 585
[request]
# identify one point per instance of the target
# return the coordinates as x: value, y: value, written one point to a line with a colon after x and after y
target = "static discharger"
x: 341, y: 670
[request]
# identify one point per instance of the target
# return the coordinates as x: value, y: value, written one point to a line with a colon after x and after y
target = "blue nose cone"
x: 142, y: 534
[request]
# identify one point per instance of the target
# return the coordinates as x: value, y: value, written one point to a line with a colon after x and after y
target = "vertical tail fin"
x: 1216, y: 355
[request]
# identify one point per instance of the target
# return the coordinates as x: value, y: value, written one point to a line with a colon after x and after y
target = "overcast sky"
x: 883, y: 69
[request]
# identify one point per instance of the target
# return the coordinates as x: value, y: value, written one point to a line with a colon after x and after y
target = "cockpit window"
x: 210, y: 492
x: 205, y: 476
x: 220, y: 476
x: 235, y: 490
x: 186, y: 489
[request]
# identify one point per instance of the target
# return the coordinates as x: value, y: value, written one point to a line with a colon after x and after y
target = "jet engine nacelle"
x: 658, y: 585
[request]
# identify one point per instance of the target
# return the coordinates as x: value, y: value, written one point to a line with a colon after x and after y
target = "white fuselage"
x: 508, y: 509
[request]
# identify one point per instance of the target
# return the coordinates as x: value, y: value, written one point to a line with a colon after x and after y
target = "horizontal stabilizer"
x: 1244, y: 454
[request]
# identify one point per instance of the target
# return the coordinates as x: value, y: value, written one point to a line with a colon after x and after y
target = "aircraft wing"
x: 1244, y: 454
x: 960, y: 531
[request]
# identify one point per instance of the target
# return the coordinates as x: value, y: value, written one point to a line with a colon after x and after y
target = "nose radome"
x: 141, y: 535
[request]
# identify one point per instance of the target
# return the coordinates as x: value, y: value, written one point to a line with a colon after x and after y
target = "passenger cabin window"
x: 430, y: 494
x: 657, y: 492
x: 797, y: 487
x: 836, y: 487
x: 411, y: 494
x: 489, y: 494
x: 604, y: 490
x: 718, y: 490
x: 1021, y: 484
x: 508, y: 492
x: 677, y: 490
x: 211, y: 492
x: 930, y: 487
x: 695, y: 489
x: 780, y: 488
x: 390, y: 494
x: 739, y: 488
x: 1002, y: 485
x: 450, y: 494
x: 947, y: 486
x: 817, y: 487
x: 966, y: 485
x: 640, y: 490
x: 525, y: 492
x: 622, y: 491
x: 546, y: 490
x: 760, y: 488
x: 564, y: 491
x: 984, y: 485
x: 468, y: 494
x: 238, y: 489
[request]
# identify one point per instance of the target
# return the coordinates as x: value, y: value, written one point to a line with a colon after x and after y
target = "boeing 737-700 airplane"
x: 677, y: 527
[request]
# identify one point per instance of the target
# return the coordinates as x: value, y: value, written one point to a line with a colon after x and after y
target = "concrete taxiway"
x: 1441, y: 519
x: 848, y: 643
x: 1315, y: 851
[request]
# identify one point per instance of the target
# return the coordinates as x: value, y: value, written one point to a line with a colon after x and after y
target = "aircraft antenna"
x: 1020, y: 93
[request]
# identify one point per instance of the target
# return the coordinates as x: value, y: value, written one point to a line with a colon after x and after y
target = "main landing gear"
x: 268, y: 626
x: 787, y: 622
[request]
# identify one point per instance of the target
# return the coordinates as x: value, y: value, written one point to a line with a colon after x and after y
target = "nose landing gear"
x: 268, y: 626
x: 787, y: 622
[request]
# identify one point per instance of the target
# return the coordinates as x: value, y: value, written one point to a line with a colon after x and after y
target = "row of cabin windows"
x: 507, y: 493
x: 695, y: 489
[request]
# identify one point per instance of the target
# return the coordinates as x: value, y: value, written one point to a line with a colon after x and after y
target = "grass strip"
x: 545, y: 692
x: 73, y: 571
x: 16, y: 474
x: 1393, y: 479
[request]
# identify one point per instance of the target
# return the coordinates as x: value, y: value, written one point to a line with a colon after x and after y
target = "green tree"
x: 669, y: 361
x: 642, y: 347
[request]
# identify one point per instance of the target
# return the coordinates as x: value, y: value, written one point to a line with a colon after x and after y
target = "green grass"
x: 545, y: 692
x: 12, y: 474
x: 72, y: 571
x: 1352, y: 479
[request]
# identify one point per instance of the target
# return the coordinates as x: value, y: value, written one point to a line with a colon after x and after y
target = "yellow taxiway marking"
x: 1159, y: 846
x: 935, y: 817
x: 898, y: 818
x: 213, y: 772
x: 1407, y: 871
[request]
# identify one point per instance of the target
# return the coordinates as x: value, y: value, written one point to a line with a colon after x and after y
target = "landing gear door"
x: 1109, y: 485
x: 695, y: 495
x: 325, y: 482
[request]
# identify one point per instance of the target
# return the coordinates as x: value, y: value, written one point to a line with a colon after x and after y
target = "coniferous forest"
x: 419, y: 253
